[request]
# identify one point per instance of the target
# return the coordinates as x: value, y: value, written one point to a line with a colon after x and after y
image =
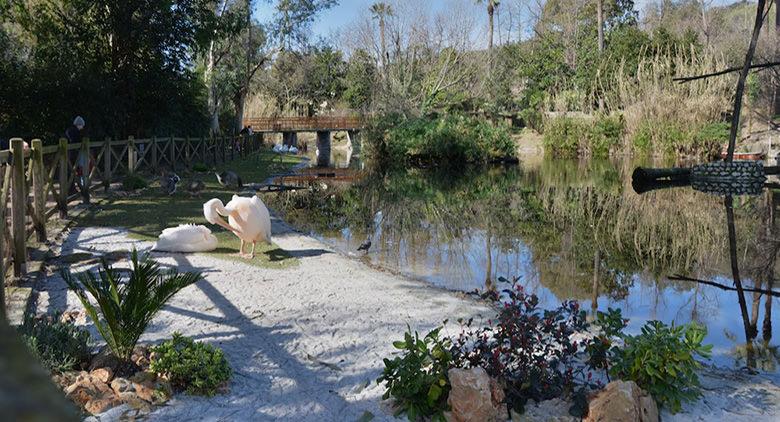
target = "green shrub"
x: 417, y: 379
x: 197, y: 368
x: 200, y: 167
x: 672, y: 138
x: 661, y: 361
x: 570, y: 136
x: 452, y: 139
x: 133, y: 182
x: 126, y: 305
x: 59, y: 346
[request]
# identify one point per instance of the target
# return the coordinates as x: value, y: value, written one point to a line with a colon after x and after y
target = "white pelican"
x: 186, y: 238
x: 248, y: 218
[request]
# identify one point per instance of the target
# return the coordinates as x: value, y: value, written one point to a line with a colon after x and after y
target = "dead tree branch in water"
x: 678, y: 277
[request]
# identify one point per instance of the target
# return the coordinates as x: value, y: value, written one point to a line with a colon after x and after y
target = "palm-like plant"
x: 381, y: 11
x: 125, y: 308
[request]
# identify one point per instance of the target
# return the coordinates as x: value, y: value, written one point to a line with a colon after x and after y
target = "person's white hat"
x: 78, y: 122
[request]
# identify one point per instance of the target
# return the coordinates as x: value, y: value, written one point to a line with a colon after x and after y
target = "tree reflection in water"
x: 571, y: 229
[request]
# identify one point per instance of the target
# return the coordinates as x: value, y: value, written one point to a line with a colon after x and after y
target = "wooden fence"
x: 38, y: 182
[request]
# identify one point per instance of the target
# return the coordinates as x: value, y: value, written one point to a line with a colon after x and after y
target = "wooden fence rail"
x: 45, y: 180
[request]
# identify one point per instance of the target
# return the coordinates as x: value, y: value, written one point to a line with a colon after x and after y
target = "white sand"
x: 307, y: 343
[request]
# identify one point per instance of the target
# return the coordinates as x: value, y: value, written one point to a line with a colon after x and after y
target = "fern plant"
x: 125, y: 307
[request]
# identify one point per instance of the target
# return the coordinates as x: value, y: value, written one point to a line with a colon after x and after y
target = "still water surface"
x: 569, y: 230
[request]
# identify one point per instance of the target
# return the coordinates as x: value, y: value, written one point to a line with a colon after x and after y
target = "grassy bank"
x: 446, y: 140
x: 151, y: 211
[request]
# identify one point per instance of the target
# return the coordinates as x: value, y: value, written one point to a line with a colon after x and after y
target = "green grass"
x: 146, y: 215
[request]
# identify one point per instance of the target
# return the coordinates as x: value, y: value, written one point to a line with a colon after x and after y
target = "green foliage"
x: 661, y: 361
x: 359, y: 80
x: 126, y: 305
x: 133, y: 182
x: 448, y: 140
x: 673, y: 138
x: 197, y: 368
x: 417, y: 379
x: 59, y: 346
x: 570, y: 136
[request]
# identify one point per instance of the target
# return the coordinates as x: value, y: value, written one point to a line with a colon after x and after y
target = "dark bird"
x: 168, y: 182
x: 196, y: 187
x: 229, y: 179
x: 365, y: 246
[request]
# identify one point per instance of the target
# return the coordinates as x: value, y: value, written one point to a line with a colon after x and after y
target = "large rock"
x: 100, y: 405
x: 105, y: 359
x: 622, y: 401
x: 144, y: 385
x: 87, y: 388
x: 475, y: 397
x: 103, y: 374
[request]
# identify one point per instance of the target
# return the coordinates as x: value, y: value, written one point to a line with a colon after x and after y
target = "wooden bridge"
x: 289, y: 127
x: 304, y: 124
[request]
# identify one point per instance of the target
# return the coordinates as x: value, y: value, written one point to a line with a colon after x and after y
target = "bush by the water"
x: 662, y: 361
x: 674, y: 138
x: 451, y: 139
x: 417, y: 379
x: 59, y: 346
x: 571, y: 136
x: 197, y: 368
x: 538, y: 354
x: 133, y: 182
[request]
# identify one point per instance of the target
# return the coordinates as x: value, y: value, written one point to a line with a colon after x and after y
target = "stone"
x: 135, y: 402
x: 622, y: 401
x: 66, y: 379
x: 100, y: 405
x: 141, y: 357
x: 121, y: 385
x: 474, y: 396
x: 87, y: 388
x: 144, y: 385
x: 104, y: 359
x: 554, y: 410
x: 103, y: 374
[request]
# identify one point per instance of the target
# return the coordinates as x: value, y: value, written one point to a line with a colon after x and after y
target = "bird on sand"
x: 248, y: 218
x: 229, y: 179
x: 196, y: 187
x: 365, y: 246
x: 168, y: 182
x: 186, y: 238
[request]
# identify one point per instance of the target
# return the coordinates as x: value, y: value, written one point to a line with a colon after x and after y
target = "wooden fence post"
x: 39, y: 194
x: 173, y: 153
x: 18, y: 207
x: 85, y: 180
x: 106, y: 164
x: 155, y: 160
x: 187, y: 153
x: 62, y: 176
x: 130, y: 155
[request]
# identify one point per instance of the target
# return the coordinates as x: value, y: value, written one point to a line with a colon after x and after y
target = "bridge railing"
x: 303, y: 123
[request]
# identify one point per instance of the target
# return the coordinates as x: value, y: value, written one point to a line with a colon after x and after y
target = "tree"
x: 293, y: 19
x: 381, y: 11
x: 491, y: 8
x: 359, y: 80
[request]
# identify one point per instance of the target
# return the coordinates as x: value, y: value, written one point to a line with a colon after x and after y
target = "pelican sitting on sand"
x: 248, y: 218
x: 186, y: 238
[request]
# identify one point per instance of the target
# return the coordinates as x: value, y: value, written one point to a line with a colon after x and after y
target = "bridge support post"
x: 290, y: 139
x: 356, y: 140
x: 323, y: 145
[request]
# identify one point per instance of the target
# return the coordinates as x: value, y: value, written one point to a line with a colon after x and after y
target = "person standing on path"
x: 73, y: 134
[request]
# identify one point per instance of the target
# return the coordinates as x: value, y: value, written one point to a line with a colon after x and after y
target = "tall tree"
x: 293, y: 19
x: 491, y: 9
x: 381, y: 11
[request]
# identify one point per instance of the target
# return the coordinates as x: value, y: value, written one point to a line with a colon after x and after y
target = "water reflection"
x: 570, y: 230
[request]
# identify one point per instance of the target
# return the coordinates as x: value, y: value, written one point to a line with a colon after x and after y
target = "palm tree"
x: 491, y: 8
x: 381, y: 11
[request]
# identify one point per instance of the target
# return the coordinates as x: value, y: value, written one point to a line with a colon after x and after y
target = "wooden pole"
x: 130, y: 155
x: 85, y: 180
x: 172, y: 146
x: 107, y: 164
x: 18, y: 207
x: 39, y: 193
x: 187, y: 153
x: 62, y: 202
x: 155, y: 160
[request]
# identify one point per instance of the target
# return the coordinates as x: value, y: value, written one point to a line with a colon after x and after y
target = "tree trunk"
x: 490, y: 10
x: 600, y: 13
x: 742, y: 77
x: 213, y: 102
x: 776, y: 111
x: 383, y: 44
x: 729, y: 203
x: 238, y: 103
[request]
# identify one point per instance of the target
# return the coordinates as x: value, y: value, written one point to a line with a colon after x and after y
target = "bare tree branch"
x: 684, y: 79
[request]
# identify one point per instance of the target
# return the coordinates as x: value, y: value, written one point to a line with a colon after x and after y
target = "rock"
x: 66, y: 379
x: 100, y: 405
x: 554, y: 410
x: 622, y: 401
x: 87, y: 388
x: 103, y: 374
x: 145, y: 386
x: 135, y: 402
x: 475, y: 397
x: 141, y: 357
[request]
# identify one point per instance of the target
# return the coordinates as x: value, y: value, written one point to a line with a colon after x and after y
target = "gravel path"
x: 307, y: 343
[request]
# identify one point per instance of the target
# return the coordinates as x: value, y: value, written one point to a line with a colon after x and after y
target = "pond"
x: 567, y: 229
